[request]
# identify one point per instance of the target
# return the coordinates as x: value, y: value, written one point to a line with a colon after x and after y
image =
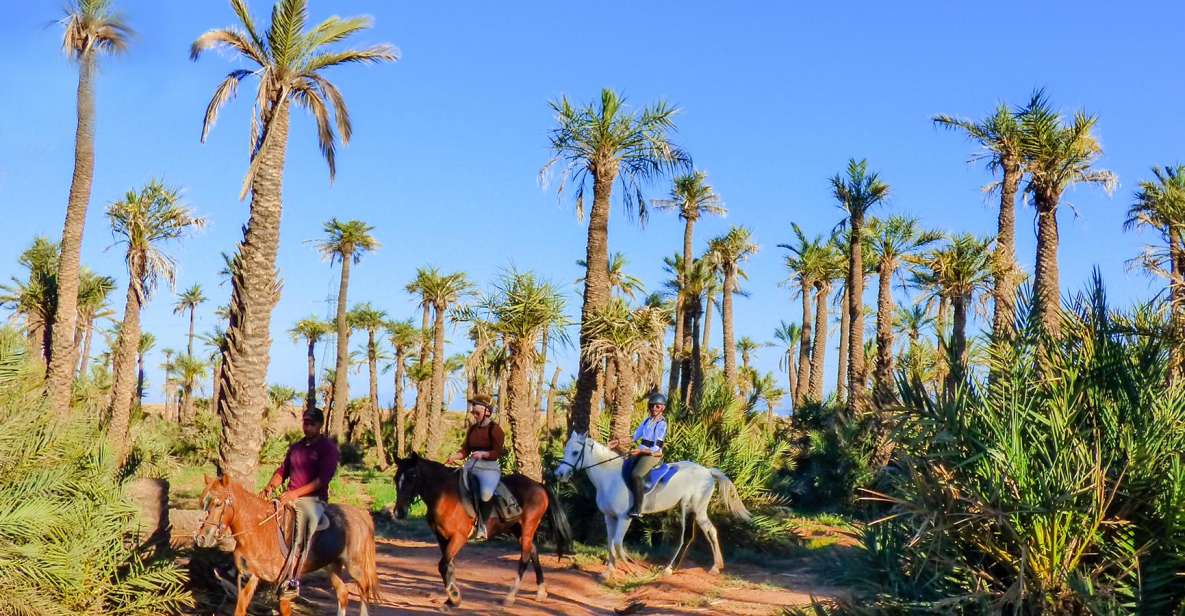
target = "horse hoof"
x: 667, y: 571
x: 541, y: 594
x: 606, y: 576
x: 509, y: 601
x: 714, y: 571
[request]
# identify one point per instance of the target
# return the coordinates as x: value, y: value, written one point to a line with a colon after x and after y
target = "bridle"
x: 219, y: 535
x: 579, y: 465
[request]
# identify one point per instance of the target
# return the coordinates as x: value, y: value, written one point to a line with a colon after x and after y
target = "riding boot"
x: 638, y: 489
x: 484, y: 510
x: 479, y: 533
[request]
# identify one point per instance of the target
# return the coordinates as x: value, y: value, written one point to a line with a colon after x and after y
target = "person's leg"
x: 488, y: 479
x: 308, y: 514
x: 638, y: 481
x: 475, y: 491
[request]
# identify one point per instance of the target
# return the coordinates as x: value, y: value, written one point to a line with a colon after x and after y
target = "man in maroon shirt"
x: 309, y: 466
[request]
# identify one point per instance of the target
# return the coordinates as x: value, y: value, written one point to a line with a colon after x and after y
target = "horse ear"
x: 208, y: 479
x: 414, y: 457
x: 226, y: 481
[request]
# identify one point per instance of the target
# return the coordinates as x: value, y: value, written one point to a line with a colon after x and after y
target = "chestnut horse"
x: 348, y: 544
x: 437, y: 485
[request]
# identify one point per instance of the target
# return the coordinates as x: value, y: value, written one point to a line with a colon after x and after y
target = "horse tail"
x: 730, y: 496
x: 369, y: 566
x: 559, y: 523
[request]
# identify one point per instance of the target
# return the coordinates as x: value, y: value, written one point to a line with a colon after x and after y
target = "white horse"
x: 690, y: 489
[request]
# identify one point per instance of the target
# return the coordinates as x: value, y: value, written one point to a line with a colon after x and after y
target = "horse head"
x: 575, y: 452
x: 218, y: 511
x: 407, y: 483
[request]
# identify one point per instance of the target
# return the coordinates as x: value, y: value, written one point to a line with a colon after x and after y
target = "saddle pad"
x: 657, y: 477
x: 505, y: 504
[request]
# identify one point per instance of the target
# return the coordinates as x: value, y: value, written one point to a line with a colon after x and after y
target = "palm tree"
x: 90, y: 29
x: 805, y: 263
x: 620, y: 281
x: 289, y: 64
x: 423, y: 374
x: 892, y: 239
x: 857, y: 192
x: 621, y: 336
x: 93, y: 291
x: 168, y: 365
x: 961, y: 270
x: 826, y: 266
x: 189, y: 369
x: 1160, y: 205
x: 1058, y: 155
x: 403, y: 337
x: 442, y: 291
x: 911, y: 321
x: 345, y: 242
x: 311, y: 330
x: 729, y: 251
x: 142, y: 221
x: 35, y: 298
x: 700, y: 278
x: 189, y: 300
x: 1000, y: 137
x: 371, y: 319
x: 521, y: 308
x: 789, y: 334
x: 606, y: 143
x: 692, y: 197
x: 215, y: 341
x: 147, y: 341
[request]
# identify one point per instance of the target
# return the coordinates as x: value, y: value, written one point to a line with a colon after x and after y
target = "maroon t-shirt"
x: 308, y: 460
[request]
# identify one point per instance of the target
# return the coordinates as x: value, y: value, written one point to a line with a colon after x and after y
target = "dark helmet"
x: 314, y: 415
x: 656, y: 398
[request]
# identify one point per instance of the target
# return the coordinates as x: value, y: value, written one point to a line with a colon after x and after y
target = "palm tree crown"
x: 144, y: 219
x: 692, y: 197
x: 90, y: 26
x: 349, y: 239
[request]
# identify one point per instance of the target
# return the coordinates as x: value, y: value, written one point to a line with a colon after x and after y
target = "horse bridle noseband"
x: 576, y: 468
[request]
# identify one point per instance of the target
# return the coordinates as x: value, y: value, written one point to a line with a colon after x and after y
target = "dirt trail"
x: 411, y: 585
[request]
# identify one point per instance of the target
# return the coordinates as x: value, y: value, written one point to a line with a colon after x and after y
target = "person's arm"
x: 638, y: 434
x: 498, y: 444
x: 660, y: 437
x: 278, y: 477
x: 462, y: 453
x: 326, y: 469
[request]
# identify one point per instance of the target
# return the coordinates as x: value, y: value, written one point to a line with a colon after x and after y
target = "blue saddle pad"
x: 658, y: 476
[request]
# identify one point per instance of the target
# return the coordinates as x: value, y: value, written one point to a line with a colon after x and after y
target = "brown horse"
x: 437, y: 485
x: 348, y: 544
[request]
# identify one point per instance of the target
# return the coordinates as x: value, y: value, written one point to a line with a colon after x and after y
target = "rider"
x: 650, y: 437
x: 308, y: 466
x: 481, y: 450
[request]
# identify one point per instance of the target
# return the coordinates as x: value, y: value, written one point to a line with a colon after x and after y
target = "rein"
x: 228, y: 502
x: 579, y: 461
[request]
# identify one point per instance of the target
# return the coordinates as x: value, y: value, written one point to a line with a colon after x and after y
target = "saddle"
x: 657, y: 477
x: 286, y: 525
x: 505, y: 504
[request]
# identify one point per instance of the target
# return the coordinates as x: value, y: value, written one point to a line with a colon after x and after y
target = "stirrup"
x: 290, y: 589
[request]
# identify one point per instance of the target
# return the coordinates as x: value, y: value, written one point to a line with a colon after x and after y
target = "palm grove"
x: 905, y: 367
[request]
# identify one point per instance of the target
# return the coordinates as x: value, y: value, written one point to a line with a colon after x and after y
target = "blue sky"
x: 448, y: 141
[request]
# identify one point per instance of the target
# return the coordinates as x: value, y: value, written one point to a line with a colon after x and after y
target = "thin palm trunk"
x: 255, y: 291
x: 1046, y: 289
x: 216, y: 387
x: 524, y: 434
x: 86, y: 349
x: 707, y: 319
x: 596, y: 296
x: 419, y: 435
x: 845, y: 322
x: 883, y: 393
x: 856, y: 395
x: 730, y: 345
x: 341, y: 381
x: 123, y: 387
x: 139, y: 379
x: 376, y: 423
x: 819, y: 353
x: 189, y: 347
x: 436, y: 394
x: 623, y: 399
x: 958, y: 345
x: 310, y: 397
x: 1004, y: 268
x: 697, y: 360
x: 1177, y: 301
x: 555, y: 380
x: 397, y: 408
x: 943, y: 338
x: 791, y: 376
x: 540, y: 368
x: 686, y: 374
x: 804, y: 346
x: 62, y: 358
x: 676, y: 349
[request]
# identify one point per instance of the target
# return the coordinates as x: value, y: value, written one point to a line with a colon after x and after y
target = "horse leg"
x: 705, y: 524
x: 244, y: 600
x: 526, y: 548
x: 610, y: 532
x: 687, y: 546
x: 339, y: 586
x: 541, y: 590
x: 449, y: 572
x: 682, y: 532
x: 285, y: 606
x: 623, y: 525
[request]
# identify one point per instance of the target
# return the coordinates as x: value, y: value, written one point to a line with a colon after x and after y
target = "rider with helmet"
x: 482, y: 448
x: 650, y: 437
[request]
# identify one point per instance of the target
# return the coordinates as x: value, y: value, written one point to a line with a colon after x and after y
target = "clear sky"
x: 448, y: 141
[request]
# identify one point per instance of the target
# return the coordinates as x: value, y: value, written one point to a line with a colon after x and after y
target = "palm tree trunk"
x: 596, y: 295
x: 845, y: 322
x: 958, y: 346
x: 62, y: 359
x: 123, y: 387
x: 883, y: 393
x: 1046, y: 289
x: 341, y: 381
x: 254, y: 293
x: 310, y: 397
x: 804, y: 345
x: 730, y: 345
x: 707, y: 319
x: 943, y: 339
x: 216, y: 387
x: 623, y: 400
x: 419, y: 435
x: 139, y: 379
x: 524, y: 434
x: 86, y: 349
x: 189, y: 348
x: 856, y: 396
x: 686, y: 374
x: 598, y: 399
x: 676, y: 349
x: 697, y: 361
x: 397, y: 410
x: 555, y: 380
x: 791, y: 376
x: 1004, y: 267
x: 819, y: 354
x: 541, y: 366
x: 376, y: 419
x: 1177, y: 301
x: 436, y: 394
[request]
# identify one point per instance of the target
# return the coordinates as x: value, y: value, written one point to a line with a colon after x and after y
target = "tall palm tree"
x: 521, y: 308
x: 403, y: 337
x: 141, y: 221
x: 857, y: 191
x: 606, y: 143
x: 147, y: 341
x: 802, y: 264
x: 789, y: 335
x: 188, y: 301
x: 962, y: 270
x: 189, y: 369
x: 310, y: 329
x: 90, y: 29
x: 700, y: 278
x: 35, y: 298
x: 93, y: 292
x: 345, y: 242
x: 692, y: 197
x: 1058, y: 155
x: 621, y: 335
x: 215, y: 341
x: 892, y: 239
x: 1000, y: 137
x: 289, y: 62
x: 423, y: 373
x: 911, y: 320
x: 169, y: 365
x: 1160, y: 205
x: 371, y: 320
x: 826, y: 266
x: 729, y: 251
x: 442, y: 291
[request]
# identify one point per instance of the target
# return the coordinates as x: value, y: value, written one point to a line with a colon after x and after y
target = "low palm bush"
x: 1057, y: 488
x: 65, y: 528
